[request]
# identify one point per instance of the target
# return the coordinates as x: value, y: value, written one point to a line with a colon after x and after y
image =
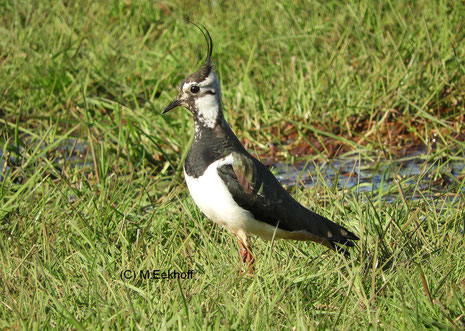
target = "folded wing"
x: 255, y: 188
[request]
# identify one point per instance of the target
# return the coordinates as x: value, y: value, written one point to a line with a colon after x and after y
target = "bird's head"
x: 200, y: 92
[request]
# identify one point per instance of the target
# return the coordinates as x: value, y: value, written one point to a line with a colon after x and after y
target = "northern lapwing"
x: 230, y: 186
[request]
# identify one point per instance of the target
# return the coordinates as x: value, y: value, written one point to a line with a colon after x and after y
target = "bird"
x: 234, y: 189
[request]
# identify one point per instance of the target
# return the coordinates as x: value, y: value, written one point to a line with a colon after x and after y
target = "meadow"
x: 91, y: 184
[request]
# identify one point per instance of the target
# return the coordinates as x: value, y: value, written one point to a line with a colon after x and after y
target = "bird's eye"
x: 195, y: 89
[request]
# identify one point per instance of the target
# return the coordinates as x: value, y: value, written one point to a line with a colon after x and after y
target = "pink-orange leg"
x: 246, y: 256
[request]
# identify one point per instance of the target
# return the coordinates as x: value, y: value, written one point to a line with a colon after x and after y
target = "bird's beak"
x: 172, y: 105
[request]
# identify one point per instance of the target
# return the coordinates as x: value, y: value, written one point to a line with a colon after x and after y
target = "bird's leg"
x: 246, y: 256
x: 242, y: 251
x: 249, y: 260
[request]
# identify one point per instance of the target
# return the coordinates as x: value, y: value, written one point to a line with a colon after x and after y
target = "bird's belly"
x: 213, y: 198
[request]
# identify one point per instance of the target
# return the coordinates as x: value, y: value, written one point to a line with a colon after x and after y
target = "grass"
x: 91, y: 174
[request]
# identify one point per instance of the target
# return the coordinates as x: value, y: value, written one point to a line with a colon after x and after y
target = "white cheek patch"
x: 208, y: 109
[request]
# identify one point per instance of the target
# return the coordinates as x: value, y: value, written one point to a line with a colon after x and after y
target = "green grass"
x: 360, y: 78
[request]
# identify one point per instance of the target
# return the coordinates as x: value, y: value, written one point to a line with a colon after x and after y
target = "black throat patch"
x: 210, y: 145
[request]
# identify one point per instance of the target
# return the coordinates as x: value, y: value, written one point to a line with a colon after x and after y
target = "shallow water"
x: 416, y: 176
x: 71, y: 151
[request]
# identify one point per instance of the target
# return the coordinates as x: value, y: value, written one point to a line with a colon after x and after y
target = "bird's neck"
x: 218, y: 139
x: 213, y: 128
x: 210, y: 144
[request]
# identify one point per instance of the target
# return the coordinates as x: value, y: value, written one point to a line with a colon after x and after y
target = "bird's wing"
x: 255, y: 188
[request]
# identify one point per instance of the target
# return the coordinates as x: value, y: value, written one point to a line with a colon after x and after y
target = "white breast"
x: 213, y: 198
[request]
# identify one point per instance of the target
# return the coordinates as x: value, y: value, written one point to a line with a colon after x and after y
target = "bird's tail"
x: 330, y: 234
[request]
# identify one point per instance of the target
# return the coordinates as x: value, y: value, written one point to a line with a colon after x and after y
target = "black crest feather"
x: 207, y: 66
